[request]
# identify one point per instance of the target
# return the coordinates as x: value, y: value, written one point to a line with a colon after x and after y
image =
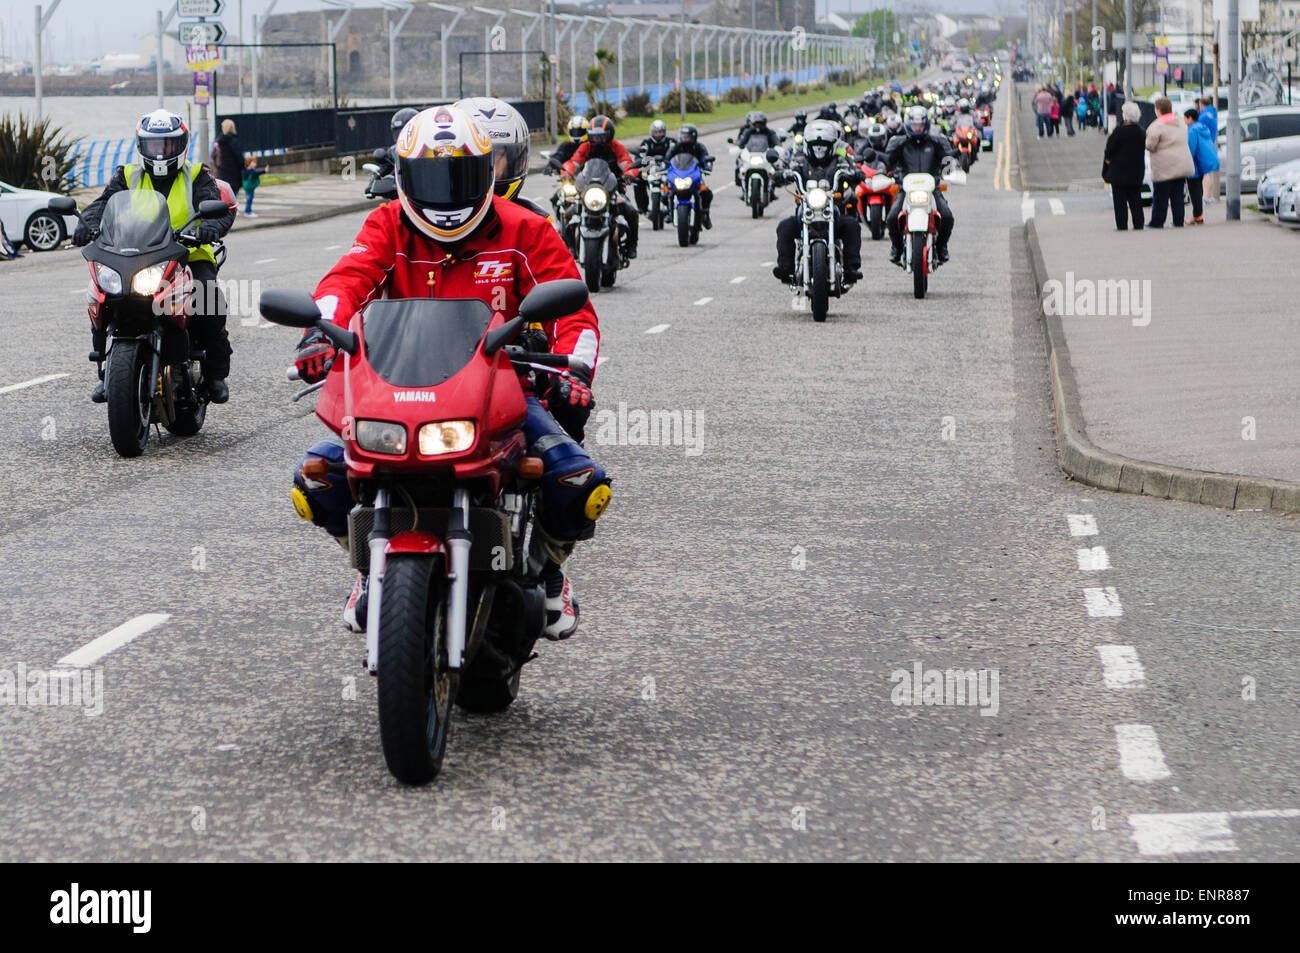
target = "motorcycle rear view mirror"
x: 213, y: 208
x: 772, y: 155
x: 380, y: 155
x: 297, y: 309
x: 551, y: 300
x: 64, y: 204
x: 384, y: 188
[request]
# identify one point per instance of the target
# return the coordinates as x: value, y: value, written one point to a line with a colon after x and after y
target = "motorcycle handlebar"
x: 543, y: 358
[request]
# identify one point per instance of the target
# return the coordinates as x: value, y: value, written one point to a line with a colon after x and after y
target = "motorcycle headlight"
x: 757, y: 160
x: 919, y: 197
x: 817, y: 198
x: 108, y: 279
x: 595, y: 199
x: 681, y: 183
x: 446, y: 436
x: 380, y: 436
x: 570, y: 189
x: 147, y: 281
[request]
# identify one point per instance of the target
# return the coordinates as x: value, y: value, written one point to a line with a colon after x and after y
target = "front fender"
x: 415, y: 542
x: 918, y: 220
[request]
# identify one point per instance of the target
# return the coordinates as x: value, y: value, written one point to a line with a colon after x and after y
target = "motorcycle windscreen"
x: 598, y: 172
x: 421, y: 342
x: 135, y: 220
x: 683, y: 162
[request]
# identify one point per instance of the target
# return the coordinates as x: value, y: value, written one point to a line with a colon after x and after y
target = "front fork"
x: 458, y: 543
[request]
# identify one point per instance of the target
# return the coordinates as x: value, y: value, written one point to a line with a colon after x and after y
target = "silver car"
x: 1273, y: 181
x: 1270, y: 136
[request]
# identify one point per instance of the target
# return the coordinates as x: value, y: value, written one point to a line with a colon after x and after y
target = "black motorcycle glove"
x: 82, y: 235
x: 207, y: 233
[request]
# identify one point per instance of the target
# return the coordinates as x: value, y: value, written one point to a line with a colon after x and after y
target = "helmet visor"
x: 511, y: 160
x: 161, y: 147
x: 454, y: 182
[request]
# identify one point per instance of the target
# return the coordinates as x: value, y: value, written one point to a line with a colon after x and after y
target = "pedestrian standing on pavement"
x: 1054, y: 118
x: 1067, y: 113
x: 1123, y: 168
x: 1205, y: 157
x: 1210, y: 119
x: 1171, y: 163
x: 1043, y: 111
x: 228, y: 156
x: 1114, y: 106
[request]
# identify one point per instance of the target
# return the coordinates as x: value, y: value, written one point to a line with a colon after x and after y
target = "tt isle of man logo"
x: 491, y: 270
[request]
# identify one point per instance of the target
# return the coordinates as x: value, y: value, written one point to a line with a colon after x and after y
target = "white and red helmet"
x: 444, y: 173
x: 161, y: 140
x: 508, y: 130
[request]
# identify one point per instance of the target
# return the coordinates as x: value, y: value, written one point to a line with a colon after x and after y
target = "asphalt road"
x: 875, y: 493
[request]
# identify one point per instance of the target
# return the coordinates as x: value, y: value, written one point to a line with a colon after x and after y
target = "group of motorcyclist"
x: 458, y: 171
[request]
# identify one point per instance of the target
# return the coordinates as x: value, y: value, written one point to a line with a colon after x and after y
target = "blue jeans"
x: 1044, y: 124
x: 248, y: 200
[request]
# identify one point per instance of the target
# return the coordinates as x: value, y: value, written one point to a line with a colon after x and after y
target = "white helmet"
x: 161, y: 141
x: 509, y: 134
x: 444, y: 173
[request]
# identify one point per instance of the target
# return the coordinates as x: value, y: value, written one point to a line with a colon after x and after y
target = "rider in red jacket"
x: 601, y: 144
x: 448, y: 236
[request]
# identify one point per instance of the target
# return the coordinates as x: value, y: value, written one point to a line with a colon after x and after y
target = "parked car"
x: 28, y: 220
x: 1287, y: 203
x: 1272, y: 181
x: 1270, y: 136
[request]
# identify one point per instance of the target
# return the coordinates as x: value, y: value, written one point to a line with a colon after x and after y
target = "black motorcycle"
x: 140, y: 302
x: 601, y: 228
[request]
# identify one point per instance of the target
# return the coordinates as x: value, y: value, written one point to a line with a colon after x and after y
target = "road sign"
x: 205, y: 58
x: 199, y: 8
x: 201, y: 33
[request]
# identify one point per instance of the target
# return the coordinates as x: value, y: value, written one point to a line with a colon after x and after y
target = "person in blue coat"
x: 1210, y: 119
x: 1205, y: 156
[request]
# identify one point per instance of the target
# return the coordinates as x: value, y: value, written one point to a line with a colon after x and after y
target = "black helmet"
x: 601, y: 131
x: 800, y: 114
x: 827, y: 111
x: 401, y: 118
x: 916, y: 123
x: 688, y: 135
x: 161, y: 140
x: 819, y: 140
x: 758, y: 119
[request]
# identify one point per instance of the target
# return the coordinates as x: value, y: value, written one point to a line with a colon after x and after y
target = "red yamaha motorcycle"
x: 966, y: 140
x: 426, y: 395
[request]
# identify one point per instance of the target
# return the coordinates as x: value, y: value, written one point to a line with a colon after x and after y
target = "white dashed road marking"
x: 92, y: 652
x: 1082, y: 524
x: 1057, y: 206
x: 332, y: 247
x: 658, y: 329
x: 702, y: 301
x: 1206, y: 832
x: 1140, y: 757
x: 1120, y: 667
x: 1102, y: 602
x: 265, y: 261
x: 738, y: 279
x: 1092, y: 560
x: 31, y: 383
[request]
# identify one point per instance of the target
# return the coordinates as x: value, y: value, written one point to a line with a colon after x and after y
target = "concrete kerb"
x: 1084, y: 461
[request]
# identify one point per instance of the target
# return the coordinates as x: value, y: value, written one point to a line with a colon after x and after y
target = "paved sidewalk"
x: 1200, y: 371
x: 317, y: 196
x: 1056, y: 162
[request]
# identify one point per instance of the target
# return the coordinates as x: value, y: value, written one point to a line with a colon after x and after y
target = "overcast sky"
x: 83, y: 30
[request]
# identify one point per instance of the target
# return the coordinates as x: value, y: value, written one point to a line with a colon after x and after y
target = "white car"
x: 27, y: 219
x: 1287, y: 203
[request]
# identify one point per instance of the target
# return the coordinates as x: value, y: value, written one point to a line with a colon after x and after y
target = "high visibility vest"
x: 180, y: 200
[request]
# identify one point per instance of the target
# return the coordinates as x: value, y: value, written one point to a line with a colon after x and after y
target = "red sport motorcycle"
x: 425, y: 394
x: 875, y: 194
x: 966, y: 139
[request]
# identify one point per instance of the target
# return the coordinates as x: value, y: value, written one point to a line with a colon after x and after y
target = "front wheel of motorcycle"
x: 756, y: 201
x: 965, y: 161
x: 920, y: 263
x: 656, y: 215
x: 820, y: 282
x: 128, y: 385
x: 877, y: 222
x: 592, y: 263
x: 416, y: 688
x: 683, y: 225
